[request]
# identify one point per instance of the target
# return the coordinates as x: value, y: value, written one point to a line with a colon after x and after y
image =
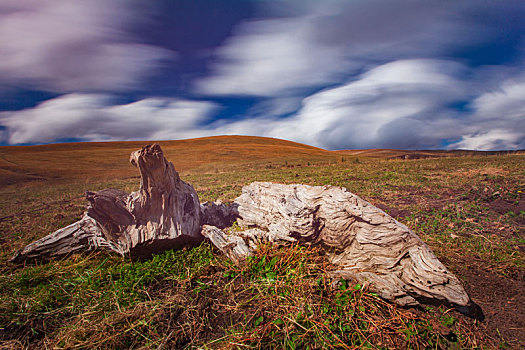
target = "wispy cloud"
x: 396, y: 104
x: 396, y: 71
x: 401, y: 104
x: 498, y: 118
x: 326, y: 43
x: 492, y: 139
x: 95, y: 117
x: 336, y: 74
x: 271, y: 58
x: 67, y: 46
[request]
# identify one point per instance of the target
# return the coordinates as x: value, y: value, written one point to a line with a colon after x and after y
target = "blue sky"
x: 336, y: 74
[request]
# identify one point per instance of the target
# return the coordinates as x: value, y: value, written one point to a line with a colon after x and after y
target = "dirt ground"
x: 502, y: 299
x: 500, y: 294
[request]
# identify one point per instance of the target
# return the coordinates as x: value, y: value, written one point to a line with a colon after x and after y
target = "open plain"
x: 469, y: 207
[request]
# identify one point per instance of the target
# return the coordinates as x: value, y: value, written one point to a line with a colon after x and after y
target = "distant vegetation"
x: 469, y: 209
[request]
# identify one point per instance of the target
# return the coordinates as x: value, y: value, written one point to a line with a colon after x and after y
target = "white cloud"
x: 396, y: 102
x: 498, y: 118
x: 506, y: 102
x: 65, y: 46
x: 401, y: 104
x: 93, y: 117
x: 272, y: 57
x: 317, y: 44
x: 497, y: 139
x: 377, y: 95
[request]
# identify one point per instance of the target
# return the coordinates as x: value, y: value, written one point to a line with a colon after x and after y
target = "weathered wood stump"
x: 164, y: 213
x: 361, y: 241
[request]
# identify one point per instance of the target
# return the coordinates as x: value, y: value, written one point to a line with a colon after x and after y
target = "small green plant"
x: 235, y: 227
x: 448, y: 320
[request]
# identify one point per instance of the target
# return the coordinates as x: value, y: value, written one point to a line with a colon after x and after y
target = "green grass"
x: 299, y: 307
x: 43, y: 296
x: 282, y: 297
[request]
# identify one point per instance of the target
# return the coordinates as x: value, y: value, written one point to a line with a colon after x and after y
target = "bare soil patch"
x: 501, y: 298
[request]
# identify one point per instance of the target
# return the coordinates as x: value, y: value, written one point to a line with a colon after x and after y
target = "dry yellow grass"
x: 102, y: 161
x: 109, y: 160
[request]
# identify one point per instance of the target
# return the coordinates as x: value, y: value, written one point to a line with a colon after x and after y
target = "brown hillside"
x: 95, y: 161
x: 106, y: 160
x: 417, y: 154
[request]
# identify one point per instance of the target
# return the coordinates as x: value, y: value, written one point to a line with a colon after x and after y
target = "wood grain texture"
x: 81, y: 236
x: 165, y: 213
x: 364, y: 242
x: 234, y: 246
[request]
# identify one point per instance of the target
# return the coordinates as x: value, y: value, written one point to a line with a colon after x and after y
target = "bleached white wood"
x: 364, y: 242
x: 83, y: 235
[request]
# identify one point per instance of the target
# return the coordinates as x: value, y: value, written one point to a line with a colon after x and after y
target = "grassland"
x: 470, y: 209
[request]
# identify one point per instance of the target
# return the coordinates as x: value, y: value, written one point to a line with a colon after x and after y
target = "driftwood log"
x: 164, y: 213
x: 361, y: 241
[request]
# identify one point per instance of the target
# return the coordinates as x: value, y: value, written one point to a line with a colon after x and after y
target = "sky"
x: 336, y: 74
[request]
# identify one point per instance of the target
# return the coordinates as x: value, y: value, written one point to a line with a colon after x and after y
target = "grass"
x: 464, y: 208
x: 89, y: 288
x: 281, y: 298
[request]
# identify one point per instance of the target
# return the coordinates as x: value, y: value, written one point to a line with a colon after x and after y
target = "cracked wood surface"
x: 165, y: 213
x: 362, y: 241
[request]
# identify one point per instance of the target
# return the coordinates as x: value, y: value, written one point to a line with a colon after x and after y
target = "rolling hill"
x: 105, y: 160
x: 94, y: 161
